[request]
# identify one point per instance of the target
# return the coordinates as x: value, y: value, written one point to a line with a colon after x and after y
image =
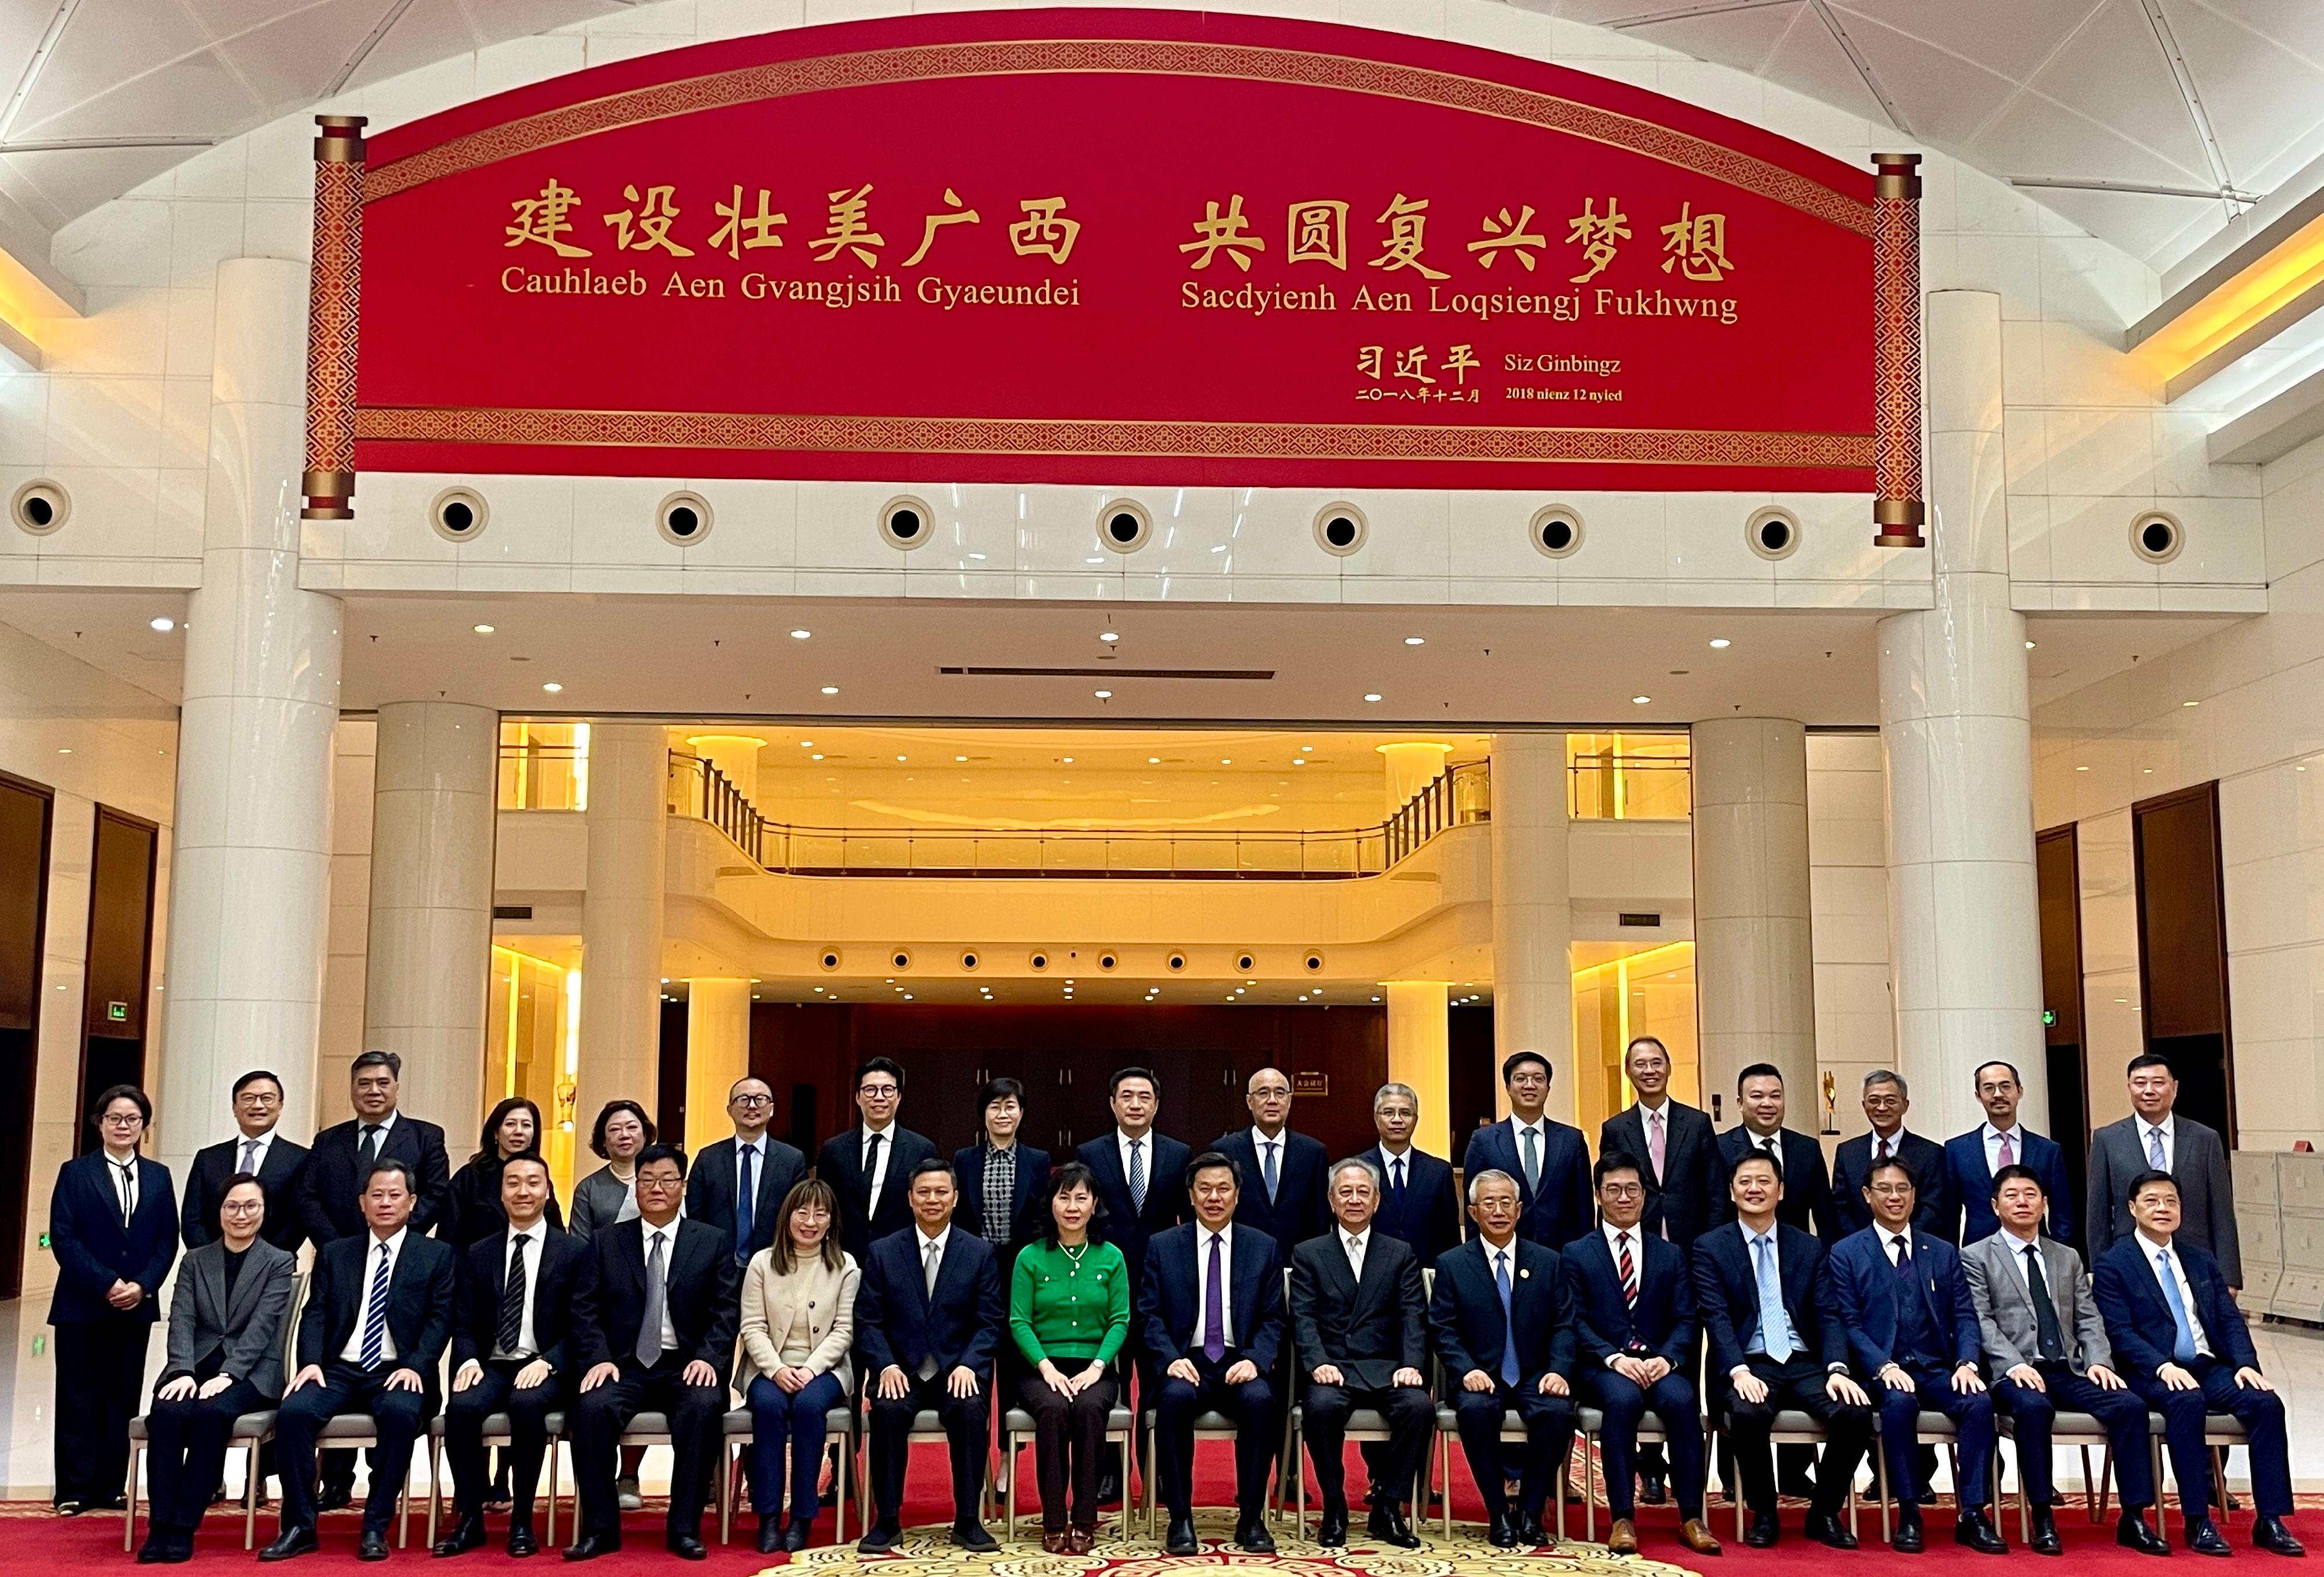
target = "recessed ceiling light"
x: 806, y: 744
x: 959, y: 757
x: 1154, y: 761
x: 1640, y: 700
x: 1299, y: 760
x: 1102, y: 695
x: 1416, y: 641
x: 484, y: 629
x: 1068, y: 760
x: 816, y: 757
x: 63, y: 749
x: 2190, y: 703
x: 164, y: 624
x: 899, y: 757
x: 801, y: 634
x: 2082, y: 769
x: 1720, y: 643
x: 2029, y: 646
x: 553, y: 687
x: 1110, y: 635
x: 831, y: 689
x: 1226, y: 761
x: 1372, y: 694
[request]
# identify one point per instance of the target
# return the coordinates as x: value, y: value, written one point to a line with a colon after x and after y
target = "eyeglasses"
x: 1890, y: 1190
x: 121, y: 1119
x: 243, y: 1207
x: 752, y: 1101
x: 877, y: 1089
x: 1622, y: 1190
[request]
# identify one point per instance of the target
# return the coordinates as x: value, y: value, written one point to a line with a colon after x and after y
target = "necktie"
x: 1214, y: 1307
x: 125, y: 1179
x: 512, y: 1300
x: 2182, y: 1347
x: 1396, y: 1185
x: 367, y: 1152
x: 1533, y: 1159
x: 1508, y: 1320
x: 872, y: 1170
x: 250, y: 1156
x: 2008, y: 1155
x: 2154, y: 1157
x: 1356, y: 1258
x: 1137, y: 1175
x: 1898, y: 1252
x: 1774, y: 1325
x: 1629, y: 1270
x: 1774, y: 1153
x: 375, y: 1315
x: 1269, y: 1172
x: 1657, y: 1143
x: 932, y: 1250
x: 2047, y: 1343
x: 746, y: 1200
x: 649, y: 1349
x: 1886, y: 1151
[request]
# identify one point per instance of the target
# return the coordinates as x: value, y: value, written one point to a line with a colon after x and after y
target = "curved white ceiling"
x: 2152, y: 123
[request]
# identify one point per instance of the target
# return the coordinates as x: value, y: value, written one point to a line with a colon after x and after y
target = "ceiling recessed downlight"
x: 164, y: 624
x: 1640, y: 700
x: 831, y: 689
x: 553, y: 687
x: 1720, y: 643
x: 801, y: 634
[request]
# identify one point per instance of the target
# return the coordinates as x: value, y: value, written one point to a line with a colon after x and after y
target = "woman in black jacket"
x: 475, y: 1211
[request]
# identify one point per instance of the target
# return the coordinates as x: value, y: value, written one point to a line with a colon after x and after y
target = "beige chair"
x: 497, y: 1433
x: 1017, y: 1430
x: 2082, y: 1430
x: 1793, y: 1427
x: 838, y: 1426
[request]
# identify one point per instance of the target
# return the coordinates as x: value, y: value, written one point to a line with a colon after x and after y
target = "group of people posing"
x: 1681, y: 1269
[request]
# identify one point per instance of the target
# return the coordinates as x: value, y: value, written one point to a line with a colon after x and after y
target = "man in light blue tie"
x: 1502, y: 1316
x: 1283, y: 1170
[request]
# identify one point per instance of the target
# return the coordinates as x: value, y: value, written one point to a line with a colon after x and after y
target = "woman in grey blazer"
x: 609, y: 1195
x: 226, y: 1317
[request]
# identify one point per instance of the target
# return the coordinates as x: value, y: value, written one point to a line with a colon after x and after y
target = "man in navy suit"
x: 928, y: 1313
x: 1284, y: 1170
x: 1420, y: 1204
x: 1886, y: 1100
x: 257, y: 1149
x: 1911, y: 1327
x: 869, y: 1164
x: 716, y: 1191
x: 1210, y: 1309
x: 1549, y: 1159
x: 2183, y: 1346
x: 1806, y: 1199
x: 1674, y: 1145
x: 1758, y: 1282
x: 331, y: 1184
x: 1142, y: 1174
x: 1503, y: 1318
x: 1973, y: 1159
x: 112, y: 1225
x: 999, y: 1175
x: 1635, y: 1327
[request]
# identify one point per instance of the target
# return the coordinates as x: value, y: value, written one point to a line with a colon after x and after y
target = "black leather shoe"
x: 2269, y: 1534
x: 971, y: 1536
x: 770, y: 1534
x: 1331, y: 1533
x: 880, y: 1539
x: 468, y: 1535
x: 372, y: 1546
x: 796, y: 1536
x: 334, y: 1497
x: 1908, y: 1539
x: 2205, y: 1539
x: 685, y: 1546
x: 290, y: 1541
x: 154, y: 1550
x: 1973, y: 1530
x: 1253, y: 1538
x: 1766, y: 1529
x: 1108, y: 1487
x: 1387, y: 1524
x: 521, y: 1541
x: 1180, y: 1540
x: 1502, y: 1530
x: 1827, y: 1530
x: 1532, y: 1536
x: 1652, y: 1489
x: 2132, y: 1533
x: 590, y: 1545
x: 2044, y: 1540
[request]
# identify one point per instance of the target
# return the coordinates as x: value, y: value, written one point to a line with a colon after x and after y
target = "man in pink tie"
x: 1973, y: 1159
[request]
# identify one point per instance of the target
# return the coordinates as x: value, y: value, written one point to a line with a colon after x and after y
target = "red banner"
x: 1115, y: 246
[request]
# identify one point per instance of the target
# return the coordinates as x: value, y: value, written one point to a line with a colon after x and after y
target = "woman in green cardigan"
x: 1069, y: 1311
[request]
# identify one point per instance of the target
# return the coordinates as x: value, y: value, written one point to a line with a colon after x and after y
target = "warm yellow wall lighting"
x: 2236, y: 317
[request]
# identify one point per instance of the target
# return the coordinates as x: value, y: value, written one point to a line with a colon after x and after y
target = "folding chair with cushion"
x: 2075, y: 1429
x: 497, y: 1433
x: 1794, y: 1427
x: 653, y: 1429
x: 1016, y: 1428
x: 838, y: 1425
x: 2219, y: 1430
x: 927, y: 1425
x: 1930, y: 1429
x: 1513, y: 1431
x: 251, y: 1430
x: 354, y: 1432
x: 1589, y: 1423
x: 1207, y: 1427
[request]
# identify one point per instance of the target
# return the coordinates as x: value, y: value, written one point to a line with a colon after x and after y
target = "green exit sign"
x: 2049, y: 1015
x: 118, y: 1012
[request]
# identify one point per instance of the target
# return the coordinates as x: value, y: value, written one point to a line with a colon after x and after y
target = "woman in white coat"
x: 799, y: 1321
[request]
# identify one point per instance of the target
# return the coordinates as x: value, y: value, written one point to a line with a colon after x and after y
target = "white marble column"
x: 621, y: 918
x: 1754, y: 966
x: 427, y: 977
x: 1964, y: 930
x: 250, y: 887
x: 717, y: 1052
x: 1419, y: 1054
x: 1533, y: 918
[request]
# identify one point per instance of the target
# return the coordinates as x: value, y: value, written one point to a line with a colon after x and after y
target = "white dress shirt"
x: 2148, y: 1248
x: 2168, y: 1128
x: 863, y: 1149
x: 1204, y: 1239
x: 1895, y: 1141
x: 1638, y: 1236
x: 1888, y: 1242
x: 121, y: 1181
x: 1993, y: 1146
x: 373, y: 1270
x: 1258, y: 1146
x: 527, y: 1345
x: 1122, y: 1144
x: 1391, y: 1160
x: 256, y: 1147
x: 667, y: 1238
x: 2017, y: 1247
x: 1354, y: 1245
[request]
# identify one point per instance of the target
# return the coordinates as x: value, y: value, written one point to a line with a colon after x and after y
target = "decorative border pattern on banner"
x: 334, y: 319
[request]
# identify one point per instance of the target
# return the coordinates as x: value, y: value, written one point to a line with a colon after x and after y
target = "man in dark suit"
x: 739, y: 1184
x: 258, y: 1149
x: 655, y: 1308
x: 1673, y: 1146
x: 1210, y: 1309
x: 1142, y: 1174
x: 2155, y: 1138
x: 2183, y: 1346
x: 1362, y: 1326
x: 1635, y: 1326
x: 1806, y: 1200
x: 331, y: 1184
x: 870, y: 1164
x: 1549, y: 1159
x: 1757, y: 1284
x: 1420, y: 1202
x: 999, y: 1175
x: 1912, y: 1330
x: 1974, y: 1159
x: 379, y: 1311
x: 113, y: 1226
x: 928, y: 1313
x: 1503, y: 1317
x: 512, y: 1347
x: 1284, y: 1170
x: 1886, y: 1100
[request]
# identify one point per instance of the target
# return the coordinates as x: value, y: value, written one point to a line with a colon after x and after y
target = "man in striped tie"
x: 378, y: 1315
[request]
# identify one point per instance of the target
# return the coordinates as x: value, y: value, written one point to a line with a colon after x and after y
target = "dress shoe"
x: 2205, y: 1539
x: 1108, y: 1487
x: 1908, y: 1539
x: 1387, y: 1524
x: 1796, y: 1486
x: 1766, y: 1529
x: 590, y: 1545
x: 1181, y: 1540
x: 2132, y: 1533
x: 1253, y: 1538
x: 770, y: 1534
x: 1827, y: 1530
x: 1056, y: 1544
x: 68, y: 1506
x: 469, y: 1534
x: 154, y: 1550
x: 971, y: 1536
x: 685, y: 1546
x: 1652, y: 1489
x: 1622, y: 1538
x: 626, y: 1494
x: 334, y: 1497
x: 1973, y: 1530
x: 1695, y: 1534
x: 2044, y: 1539
x: 1502, y: 1530
x: 1532, y: 1536
x: 1331, y: 1533
x: 372, y: 1546
x: 521, y: 1544
x: 882, y: 1538
x: 796, y: 1533
x: 180, y: 1550
x: 290, y: 1541
x: 2269, y: 1534
x: 1080, y: 1540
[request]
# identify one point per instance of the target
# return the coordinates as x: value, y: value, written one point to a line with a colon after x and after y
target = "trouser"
x: 2032, y: 1414
x: 1481, y: 1416
x: 1900, y: 1419
x: 2261, y: 1414
x: 528, y: 1409
x: 697, y: 1419
x: 1325, y: 1411
x: 780, y: 1418
x: 185, y: 1452
x: 1069, y: 1443
x: 1671, y: 1399
x: 968, y: 1429
x: 398, y: 1418
x: 1258, y: 1430
x: 100, y: 1380
x: 1797, y: 1385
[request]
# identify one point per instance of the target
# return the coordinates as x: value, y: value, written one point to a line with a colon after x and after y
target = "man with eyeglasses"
x: 256, y: 1149
x: 871, y: 1165
x: 739, y: 1186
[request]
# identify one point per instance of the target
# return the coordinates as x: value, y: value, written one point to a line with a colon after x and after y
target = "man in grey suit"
x: 2155, y: 1138
x: 2045, y: 1343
